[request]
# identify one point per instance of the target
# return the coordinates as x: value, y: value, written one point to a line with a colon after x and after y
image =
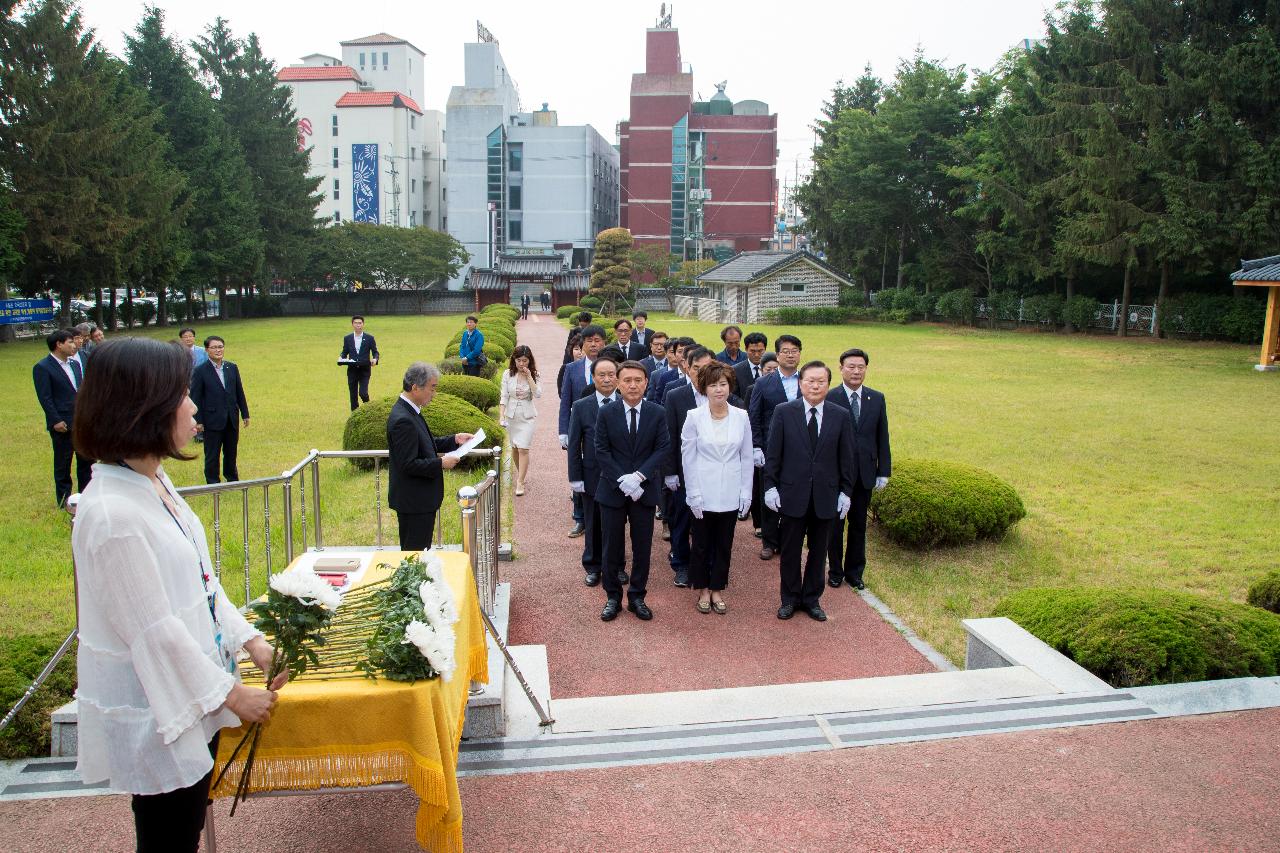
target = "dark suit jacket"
x: 617, y: 454
x: 54, y: 390
x: 368, y: 348
x: 742, y: 372
x: 582, y: 442
x: 634, y: 351
x: 572, y: 384
x: 415, y: 479
x: 643, y: 337
x: 679, y: 403
x: 871, y: 438
x: 797, y: 473
x: 216, y: 406
x: 766, y: 395
x: 667, y: 382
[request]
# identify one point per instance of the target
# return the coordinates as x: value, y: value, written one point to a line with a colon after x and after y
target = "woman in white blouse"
x: 516, y: 411
x: 156, y: 667
x: 715, y: 447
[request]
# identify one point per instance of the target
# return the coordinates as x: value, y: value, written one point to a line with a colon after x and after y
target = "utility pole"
x: 394, y: 172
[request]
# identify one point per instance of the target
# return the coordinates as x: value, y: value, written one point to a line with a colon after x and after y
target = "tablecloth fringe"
x: 338, y: 770
x: 440, y: 837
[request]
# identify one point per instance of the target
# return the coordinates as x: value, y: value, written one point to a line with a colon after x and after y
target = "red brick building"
x: 697, y: 176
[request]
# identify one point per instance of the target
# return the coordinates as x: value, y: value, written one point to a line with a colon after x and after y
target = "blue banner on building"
x: 364, y: 183
x: 25, y: 311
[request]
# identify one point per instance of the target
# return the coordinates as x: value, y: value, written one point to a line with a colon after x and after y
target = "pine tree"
x: 611, y: 267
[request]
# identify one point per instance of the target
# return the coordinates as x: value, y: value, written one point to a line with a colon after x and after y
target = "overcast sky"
x: 579, y: 56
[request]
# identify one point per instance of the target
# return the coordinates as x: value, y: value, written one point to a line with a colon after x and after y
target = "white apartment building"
x: 552, y: 188
x: 378, y: 153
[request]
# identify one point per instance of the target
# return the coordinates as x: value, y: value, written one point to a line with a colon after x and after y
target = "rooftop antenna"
x: 664, y: 16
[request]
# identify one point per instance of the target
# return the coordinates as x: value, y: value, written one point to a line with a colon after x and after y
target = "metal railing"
x: 293, y: 483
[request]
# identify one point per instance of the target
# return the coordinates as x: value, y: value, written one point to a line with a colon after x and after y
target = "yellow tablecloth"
x: 355, y: 732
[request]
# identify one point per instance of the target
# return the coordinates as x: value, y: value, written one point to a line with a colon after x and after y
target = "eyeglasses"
x: 789, y: 351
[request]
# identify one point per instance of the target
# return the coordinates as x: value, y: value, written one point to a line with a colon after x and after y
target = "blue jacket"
x: 472, y: 346
x: 572, y: 384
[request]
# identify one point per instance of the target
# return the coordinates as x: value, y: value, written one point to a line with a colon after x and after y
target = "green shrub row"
x: 566, y: 311
x: 1265, y: 592
x: 21, y: 659
x: 1228, y: 318
x: 929, y: 503
x: 454, y: 367
x: 1129, y: 638
x: 366, y: 428
x: 479, y: 392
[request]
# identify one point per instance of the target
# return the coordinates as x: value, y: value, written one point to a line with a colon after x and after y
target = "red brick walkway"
x: 680, y: 649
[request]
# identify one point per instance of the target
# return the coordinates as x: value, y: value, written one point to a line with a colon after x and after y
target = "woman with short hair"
x: 157, y: 675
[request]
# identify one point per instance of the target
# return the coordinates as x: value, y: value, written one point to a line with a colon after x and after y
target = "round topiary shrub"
x: 1129, y: 638
x: 499, y: 334
x: 500, y: 310
x: 1265, y: 592
x: 566, y: 311
x: 495, y: 352
x: 592, y: 303
x: 929, y: 503
x: 446, y: 414
x: 477, y: 391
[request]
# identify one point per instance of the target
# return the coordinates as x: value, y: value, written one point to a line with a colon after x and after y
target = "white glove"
x: 577, y: 486
x: 881, y: 482
x: 504, y: 423
x: 772, y: 500
x: 744, y: 505
x: 564, y: 442
x: 758, y: 457
x: 671, y: 481
x: 630, y: 482
x: 635, y: 494
x: 842, y: 505
x: 696, y: 512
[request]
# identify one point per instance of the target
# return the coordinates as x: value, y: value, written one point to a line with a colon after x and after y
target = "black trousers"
x: 471, y: 369
x: 848, y: 563
x: 757, y: 498
x: 712, y: 547
x: 524, y: 311
x: 63, y: 450
x: 677, y: 517
x: 358, y: 383
x: 224, y: 442
x: 769, y: 528
x: 613, y: 524
x: 793, y: 532
x: 591, y: 540
x: 416, y: 530
x: 171, y: 822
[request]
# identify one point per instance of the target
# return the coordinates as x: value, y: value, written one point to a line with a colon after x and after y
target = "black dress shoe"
x: 817, y: 614
x: 834, y: 582
x: 766, y: 553
x: 623, y: 577
x: 640, y: 609
x: 577, y: 531
x: 857, y: 584
x: 682, y: 578
x: 758, y: 533
x: 592, y: 579
x: 612, y: 608
x: 786, y: 611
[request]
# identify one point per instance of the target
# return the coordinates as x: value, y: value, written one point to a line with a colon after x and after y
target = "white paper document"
x: 464, y: 449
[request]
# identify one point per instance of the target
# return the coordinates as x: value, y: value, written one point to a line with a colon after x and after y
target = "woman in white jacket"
x: 715, y: 447
x: 156, y: 668
x: 516, y: 409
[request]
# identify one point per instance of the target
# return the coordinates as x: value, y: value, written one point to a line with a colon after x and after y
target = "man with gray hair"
x: 415, y: 486
x: 84, y: 332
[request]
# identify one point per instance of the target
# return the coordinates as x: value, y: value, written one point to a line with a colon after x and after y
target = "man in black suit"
x: 641, y: 333
x: 873, y: 465
x: 769, y: 393
x: 218, y: 393
x: 415, y: 479
x: 630, y: 349
x: 584, y: 471
x: 361, y: 350
x: 808, y: 480
x: 525, y: 302
x: 631, y: 450
x: 656, y: 361
x: 57, y: 379
x: 747, y: 372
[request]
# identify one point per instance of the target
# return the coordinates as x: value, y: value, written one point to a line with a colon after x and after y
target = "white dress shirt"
x: 854, y: 392
x: 412, y: 404
x: 152, y: 680
x: 66, y: 368
x: 818, y: 410
x: 717, y: 458
x: 791, y: 385
x: 356, y: 340
x: 626, y: 415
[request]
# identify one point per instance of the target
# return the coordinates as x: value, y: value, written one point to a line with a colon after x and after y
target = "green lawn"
x: 297, y: 401
x: 1143, y: 463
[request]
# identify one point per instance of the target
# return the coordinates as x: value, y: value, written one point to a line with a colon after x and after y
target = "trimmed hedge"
x: 477, y: 391
x: 930, y: 503
x: 453, y: 367
x: 957, y: 306
x: 1080, y: 311
x: 1265, y: 592
x: 500, y: 308
x: 1200, y: 315
x: 21, y: 659
x: 1130, y: 638
x: 564, y: 312
x: 592, y: 303
x: 446, y: 414
x: 495, y: 352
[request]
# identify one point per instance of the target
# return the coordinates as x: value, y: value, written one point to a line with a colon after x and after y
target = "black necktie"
x: 633, y: 423
x: 813, y: 429
x: 75, y: 371
x: 855, y: 408
x: 755, y: 371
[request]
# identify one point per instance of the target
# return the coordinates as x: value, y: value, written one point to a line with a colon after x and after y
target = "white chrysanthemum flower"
x: 437, y: 604
x: 305, y: 585
x: 431, y: 646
